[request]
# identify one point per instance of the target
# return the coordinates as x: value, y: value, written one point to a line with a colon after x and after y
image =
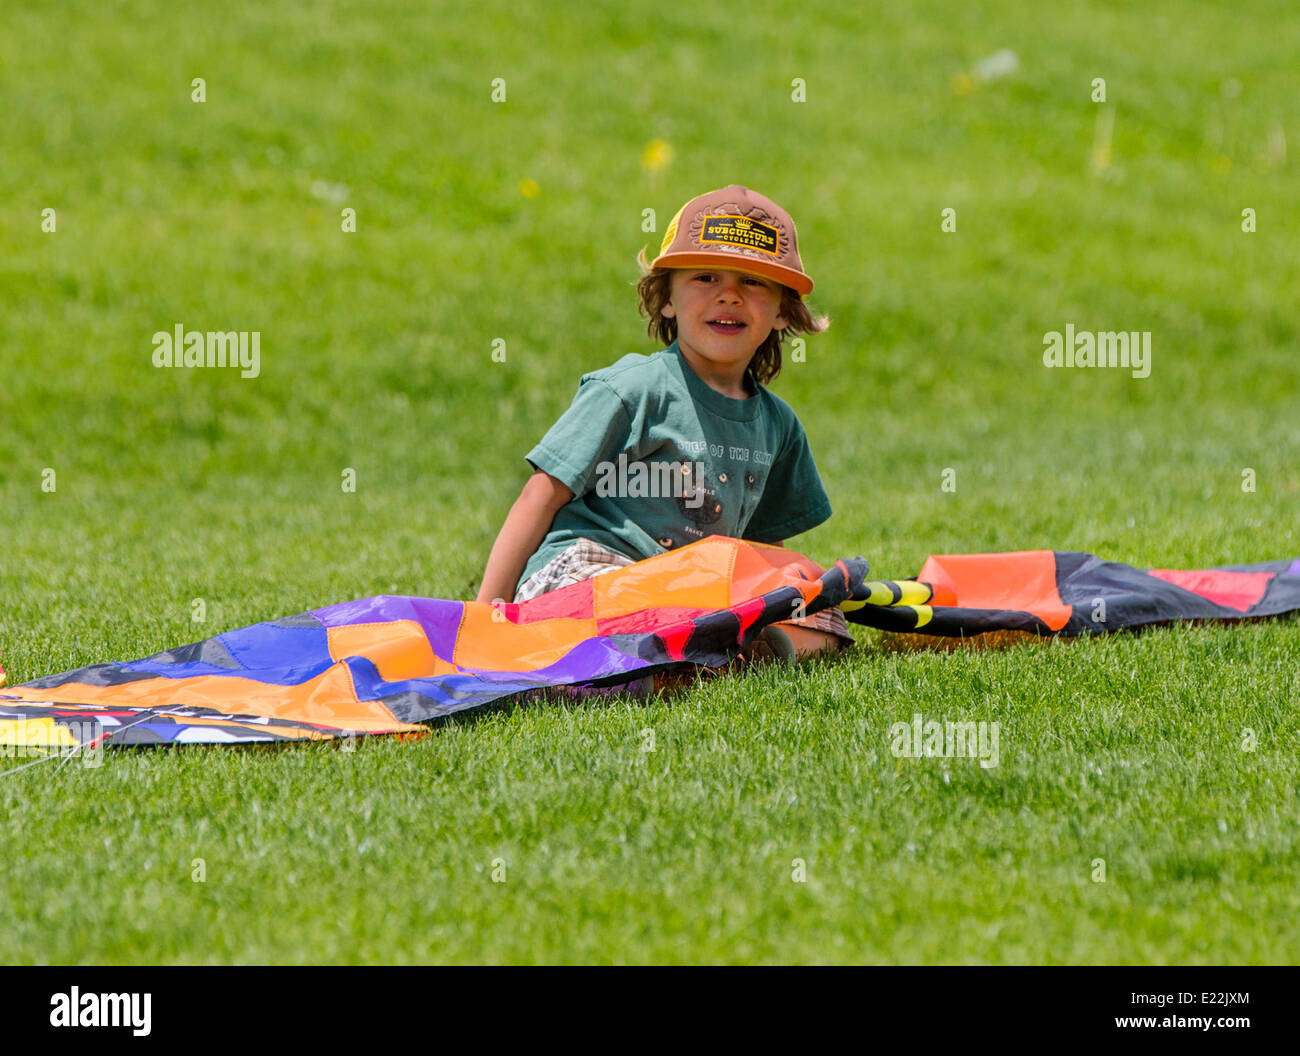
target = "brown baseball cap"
x: 735, y: 228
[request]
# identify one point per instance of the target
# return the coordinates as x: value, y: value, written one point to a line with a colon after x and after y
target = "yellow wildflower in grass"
x: 657, y: 156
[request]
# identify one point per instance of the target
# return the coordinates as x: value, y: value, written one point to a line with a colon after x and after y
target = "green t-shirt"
x: 656, y: 459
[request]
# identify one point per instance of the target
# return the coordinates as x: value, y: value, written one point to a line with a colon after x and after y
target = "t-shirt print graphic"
x: 700, y: 504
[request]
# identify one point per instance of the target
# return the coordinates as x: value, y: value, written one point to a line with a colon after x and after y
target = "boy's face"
x: 705, y: 300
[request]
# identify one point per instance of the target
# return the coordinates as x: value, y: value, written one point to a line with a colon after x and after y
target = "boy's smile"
x: 723, y: 315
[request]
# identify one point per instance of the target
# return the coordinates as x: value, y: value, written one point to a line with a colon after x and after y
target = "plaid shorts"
x: 586, y: 559
x: 583, y: 560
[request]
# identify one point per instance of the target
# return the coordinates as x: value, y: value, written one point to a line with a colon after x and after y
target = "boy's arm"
x: 526, y: 526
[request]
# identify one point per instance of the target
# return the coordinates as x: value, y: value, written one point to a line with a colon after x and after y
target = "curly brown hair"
x: 655, y: 286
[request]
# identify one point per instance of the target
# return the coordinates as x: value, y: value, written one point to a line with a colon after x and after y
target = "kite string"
x: 74, y: 749
x: 67, y: 753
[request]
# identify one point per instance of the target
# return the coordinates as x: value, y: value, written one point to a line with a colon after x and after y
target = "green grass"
x: 176, y: 485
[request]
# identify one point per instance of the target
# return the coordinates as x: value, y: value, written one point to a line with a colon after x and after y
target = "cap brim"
x: 796, y: 280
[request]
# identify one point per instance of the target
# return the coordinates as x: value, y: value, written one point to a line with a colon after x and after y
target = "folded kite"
x: 1063, y: 592
x: 386, y: 664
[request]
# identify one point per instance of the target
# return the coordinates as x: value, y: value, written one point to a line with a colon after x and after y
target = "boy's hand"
x: 525, y: 527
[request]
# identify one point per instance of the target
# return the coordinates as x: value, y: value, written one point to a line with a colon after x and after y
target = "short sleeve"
x: 793, y: 497
x: 594, y: 429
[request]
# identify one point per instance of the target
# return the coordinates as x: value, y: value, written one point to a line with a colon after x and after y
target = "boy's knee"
x: 810, y: 643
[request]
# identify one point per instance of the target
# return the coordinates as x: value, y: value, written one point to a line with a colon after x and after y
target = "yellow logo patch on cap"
x: 743, y: 231
x: 671, y: 233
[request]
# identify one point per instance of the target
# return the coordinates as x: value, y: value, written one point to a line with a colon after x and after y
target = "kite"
x: 388, y: 664
x: 1067, y: 593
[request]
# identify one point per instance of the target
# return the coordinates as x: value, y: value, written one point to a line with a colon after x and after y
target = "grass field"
x: 520, y: 221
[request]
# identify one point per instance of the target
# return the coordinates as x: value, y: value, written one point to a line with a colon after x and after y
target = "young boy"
x: 658, y: 451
